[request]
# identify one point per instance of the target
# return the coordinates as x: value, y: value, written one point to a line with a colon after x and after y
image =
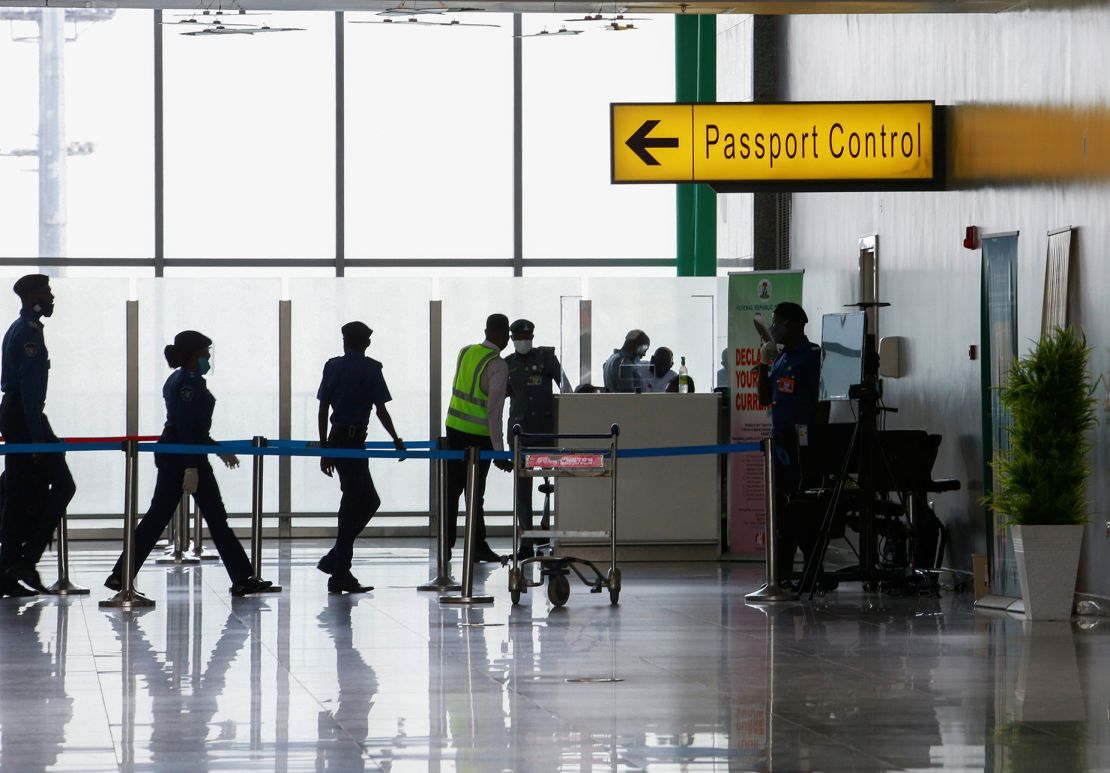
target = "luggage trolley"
x: 537, y: 462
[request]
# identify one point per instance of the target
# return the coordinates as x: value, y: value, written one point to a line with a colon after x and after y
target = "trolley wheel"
x: 516, y: 580
x: 558, y: 589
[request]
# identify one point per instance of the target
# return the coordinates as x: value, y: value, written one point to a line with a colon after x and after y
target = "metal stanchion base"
x: 127, y: 600
x: 441, y: 583
x: 66, y: 588
x: 770, y: 594
x: 466, y: 599
x: 177, y: 559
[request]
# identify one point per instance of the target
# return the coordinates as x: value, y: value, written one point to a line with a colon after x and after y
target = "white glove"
x: 189, y: 484
x: 768, y: 353
x: 231, y: 461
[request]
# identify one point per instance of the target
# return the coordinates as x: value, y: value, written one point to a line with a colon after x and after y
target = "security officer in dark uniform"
x: 37, y: 487
x: 189, y: 407
x: 789, y: 381
x: 351, y: 388
x: 533, y: 373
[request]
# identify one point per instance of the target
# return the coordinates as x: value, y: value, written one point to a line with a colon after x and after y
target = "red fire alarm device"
x: 971, y: 238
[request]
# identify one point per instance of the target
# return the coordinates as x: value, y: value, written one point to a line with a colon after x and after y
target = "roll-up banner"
x: 752, y: 296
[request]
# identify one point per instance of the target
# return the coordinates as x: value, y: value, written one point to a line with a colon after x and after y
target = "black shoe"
x: 486, y: 555
x: 9, y: 588
x: 324, y: 564
x: 28, y: 575
x: 348, y: 584
x: 249, y: 586
x: 114, y: 582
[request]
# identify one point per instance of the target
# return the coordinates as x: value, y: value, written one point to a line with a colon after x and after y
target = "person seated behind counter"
x: 622, y: 370
x: 789, y: 382
x: 663, y: 377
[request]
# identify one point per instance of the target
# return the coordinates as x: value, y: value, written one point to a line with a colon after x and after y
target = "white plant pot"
x: 1048, y: 562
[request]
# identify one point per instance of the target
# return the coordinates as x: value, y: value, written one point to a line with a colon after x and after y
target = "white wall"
x: 932, y: 282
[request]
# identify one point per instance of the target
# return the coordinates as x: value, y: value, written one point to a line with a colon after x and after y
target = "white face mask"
x: 522, y: 347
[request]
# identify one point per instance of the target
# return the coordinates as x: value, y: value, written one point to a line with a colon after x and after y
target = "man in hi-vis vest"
x: 474, y: 418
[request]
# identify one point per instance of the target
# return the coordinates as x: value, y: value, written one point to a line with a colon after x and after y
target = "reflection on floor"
x: 392, y: 680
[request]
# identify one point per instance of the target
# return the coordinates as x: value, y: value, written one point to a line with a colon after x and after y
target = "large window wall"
x: 445, y: 148
x: 98, y: 134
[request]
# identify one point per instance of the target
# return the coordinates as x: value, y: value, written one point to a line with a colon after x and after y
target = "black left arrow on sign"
x: 640, y: 142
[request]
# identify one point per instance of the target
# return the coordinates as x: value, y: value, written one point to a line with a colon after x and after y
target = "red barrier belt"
x: 113, y: 439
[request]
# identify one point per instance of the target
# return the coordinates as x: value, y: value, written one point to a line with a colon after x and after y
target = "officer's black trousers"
x: 358, y: 504
x: 163, y: 505
x: 37, y: 490
x: 456, y: 484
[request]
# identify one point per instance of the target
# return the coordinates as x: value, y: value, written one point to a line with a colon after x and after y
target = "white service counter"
x: 668, y: 508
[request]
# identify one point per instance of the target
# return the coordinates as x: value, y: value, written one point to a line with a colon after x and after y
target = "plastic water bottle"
x: 683, y: 378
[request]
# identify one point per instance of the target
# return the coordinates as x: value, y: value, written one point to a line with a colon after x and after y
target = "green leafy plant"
x: 1042, y: 477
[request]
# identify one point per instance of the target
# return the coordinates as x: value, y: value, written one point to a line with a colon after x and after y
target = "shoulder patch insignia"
x: 31, y: 348
x: 186, y: 393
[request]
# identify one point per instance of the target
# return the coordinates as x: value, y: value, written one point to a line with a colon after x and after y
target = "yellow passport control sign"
x: 827, y: 143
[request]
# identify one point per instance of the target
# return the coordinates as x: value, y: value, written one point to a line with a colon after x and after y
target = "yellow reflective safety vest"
x: 467, y: 411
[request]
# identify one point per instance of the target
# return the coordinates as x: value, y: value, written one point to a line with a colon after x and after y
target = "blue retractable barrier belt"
x: 418, y: 450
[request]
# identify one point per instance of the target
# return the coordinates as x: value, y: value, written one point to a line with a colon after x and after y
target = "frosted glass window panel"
x: 429, y: 139
x: 397, y: 311
x: 104, y: 80
x: 571, y: 210
x: 250, y: 141
x: 678, y: 312
x: 467, y: 303
x: 241, y: 318
x: 86, y: 397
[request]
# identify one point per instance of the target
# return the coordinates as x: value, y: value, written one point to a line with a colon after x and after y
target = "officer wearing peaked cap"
x: 534, y: 374
x: 38, y: 487
x: 351, y: 389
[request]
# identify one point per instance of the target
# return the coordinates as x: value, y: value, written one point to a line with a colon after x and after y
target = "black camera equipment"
x: 865, y: 454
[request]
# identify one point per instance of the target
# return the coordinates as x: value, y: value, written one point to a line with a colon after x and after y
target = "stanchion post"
x: 64, y: 587
x: 127, y: 598
x: 443, y: 581
x: 256, y: 512
x: 179, y: 552
x: 468, y: 596
x: 198, y: 537
x: 770, y: 592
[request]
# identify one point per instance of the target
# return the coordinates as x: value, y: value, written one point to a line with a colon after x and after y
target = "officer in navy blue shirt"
x: 37, y: 487
x: 534, y: 377
x: 189, y: 407
x: 789, y: 381
x: 351, y: 389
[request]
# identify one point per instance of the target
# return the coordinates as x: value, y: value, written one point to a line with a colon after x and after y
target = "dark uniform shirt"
x: 189, y: 407
x: 795, y: 381
x: 25, y: 370
x: 352, y: 385
x: 531, y: 400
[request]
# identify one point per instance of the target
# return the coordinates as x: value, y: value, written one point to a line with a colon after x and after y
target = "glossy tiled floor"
x: 304, y: 681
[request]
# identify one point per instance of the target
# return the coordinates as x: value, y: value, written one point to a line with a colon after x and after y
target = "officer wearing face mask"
x: 623, y: 370
x: 38, y: 487
x: 534, y: 374
x: 789, y: 380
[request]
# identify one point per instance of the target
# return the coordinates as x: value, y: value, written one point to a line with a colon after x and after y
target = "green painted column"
x: 686, y: 29
x: 705, y: 200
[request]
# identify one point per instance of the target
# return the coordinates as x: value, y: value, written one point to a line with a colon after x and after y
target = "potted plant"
x: 1043, y: 476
